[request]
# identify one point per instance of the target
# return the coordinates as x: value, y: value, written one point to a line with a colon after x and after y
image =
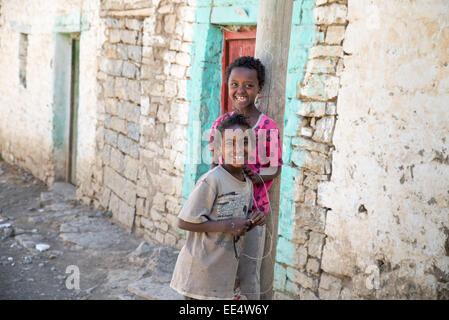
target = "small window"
x: 23, y: 53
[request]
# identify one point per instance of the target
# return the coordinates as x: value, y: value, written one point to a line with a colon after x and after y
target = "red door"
x: 235, y: 44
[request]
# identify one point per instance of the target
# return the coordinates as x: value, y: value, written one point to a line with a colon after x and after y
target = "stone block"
x: 330, y: 287
x: 122, y: 52
x: 170, y: 88
x: 124, y: 144
x: 313, y: 266
x: 116, y: 160
x: 331, y: 108
x: 177, y: 71
x: 324, y: 130
x: 159, y: 202
x: 133, y: 131
x: 129, y: 70
x: 125, y: 189
x: 332, y: 14
x: 302, y: 279
x: 183, y: 59
x: 134, y: 24
x: 111, y: 66
x: 128, y: 36
x: 169, y: 23
x: 135, y: 53
x: 315, y: 244
x: 130, y: 168
x: 306, y: 294
x: 117, y: 124
x: 310, y: 145
x: 109, y: 87
x: 310, y: 217
x: 321, y: 87
x: 114, y: 23
x: 121, y: 88
x: 312, y: 109
x: 114, y: 36
x: 322, y: 65
x: 134, y: 91
x: 111, y: 106
x: 306, y: 132
x: 335, y: 34
x: 170, y: 239
x: 299, y: 255
x: 110, y: 137
x: 125, y: 214
x: 291, y: 288
x: 325, y: 51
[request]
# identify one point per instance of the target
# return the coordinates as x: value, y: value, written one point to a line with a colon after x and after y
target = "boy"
x: 217, y: 214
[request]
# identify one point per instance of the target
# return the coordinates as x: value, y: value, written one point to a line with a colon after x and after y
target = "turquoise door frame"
x: 204, y: 84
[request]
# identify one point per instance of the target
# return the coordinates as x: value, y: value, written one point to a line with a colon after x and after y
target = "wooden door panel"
x: 236, y: 44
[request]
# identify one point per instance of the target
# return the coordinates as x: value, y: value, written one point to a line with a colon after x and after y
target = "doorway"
x: 74, y: 106
x: 66, y: 104
x: 235, y: 44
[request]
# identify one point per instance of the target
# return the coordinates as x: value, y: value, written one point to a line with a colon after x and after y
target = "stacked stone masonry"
x: 142, y: 125
x: 317, y: 95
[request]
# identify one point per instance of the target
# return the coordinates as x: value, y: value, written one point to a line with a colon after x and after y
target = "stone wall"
x: 141, y: 132
x: 369, y: 157
x: 315, y: 67
x: 27, y: 121
x: 387, y: 232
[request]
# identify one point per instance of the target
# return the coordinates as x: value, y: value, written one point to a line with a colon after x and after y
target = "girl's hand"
x: 256, y: 179
x: 257, y: 219
x: 238, y: 226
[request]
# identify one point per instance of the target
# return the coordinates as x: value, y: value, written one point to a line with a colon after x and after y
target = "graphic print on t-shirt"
x: 230, y: 204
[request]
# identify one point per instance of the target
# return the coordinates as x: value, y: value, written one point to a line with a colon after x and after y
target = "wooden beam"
x: 272, y: 48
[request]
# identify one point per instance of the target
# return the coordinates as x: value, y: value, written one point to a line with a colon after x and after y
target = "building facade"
x: 118, y: 96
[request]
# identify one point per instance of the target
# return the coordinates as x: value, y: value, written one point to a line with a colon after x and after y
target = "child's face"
x: 234, y: 146
x: 243, y: 87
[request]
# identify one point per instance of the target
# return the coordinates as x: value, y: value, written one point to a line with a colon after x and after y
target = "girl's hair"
x: 250, y: 63
x: 234, y: 119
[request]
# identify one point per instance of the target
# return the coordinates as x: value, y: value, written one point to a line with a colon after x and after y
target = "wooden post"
x: 272, y: 48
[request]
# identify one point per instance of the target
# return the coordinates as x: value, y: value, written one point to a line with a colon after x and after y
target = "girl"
x: 245, y: 78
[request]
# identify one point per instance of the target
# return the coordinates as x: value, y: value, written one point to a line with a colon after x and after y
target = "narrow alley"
x: 48, y: 239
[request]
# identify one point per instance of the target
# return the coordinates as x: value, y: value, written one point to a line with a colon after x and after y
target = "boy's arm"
x: 261, y: 178
x: 236, y: 226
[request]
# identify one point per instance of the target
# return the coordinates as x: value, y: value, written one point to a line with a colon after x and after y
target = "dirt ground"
x: 112, y: 263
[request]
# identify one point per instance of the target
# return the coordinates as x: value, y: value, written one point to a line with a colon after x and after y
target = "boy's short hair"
x: 249, y: 63
x: 234, y: 119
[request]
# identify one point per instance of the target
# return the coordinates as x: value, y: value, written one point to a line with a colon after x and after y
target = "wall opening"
x: 23, y: 56
x: 66, y: 100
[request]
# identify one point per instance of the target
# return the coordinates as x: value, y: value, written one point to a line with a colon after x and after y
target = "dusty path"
x: 112, y: 263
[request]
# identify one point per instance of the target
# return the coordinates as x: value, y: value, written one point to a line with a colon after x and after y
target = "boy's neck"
x: 251, y: 110
x: 237, y: 172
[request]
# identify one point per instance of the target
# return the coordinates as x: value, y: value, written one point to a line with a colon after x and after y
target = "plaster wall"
x: 389, y: 189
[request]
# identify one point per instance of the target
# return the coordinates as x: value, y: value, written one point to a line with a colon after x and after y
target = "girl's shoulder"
x: 221, y: 118
x: 267, y: 123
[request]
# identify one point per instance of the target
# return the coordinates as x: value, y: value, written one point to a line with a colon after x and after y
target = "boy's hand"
x: 256, y: 179
x: 257, y: 219
x: 239, y: 226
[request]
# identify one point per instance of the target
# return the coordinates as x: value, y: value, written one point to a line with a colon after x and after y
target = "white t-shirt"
x: 206, y: 265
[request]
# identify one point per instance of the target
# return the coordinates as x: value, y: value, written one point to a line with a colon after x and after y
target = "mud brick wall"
x: 364, y: 225
x: 143, y: 115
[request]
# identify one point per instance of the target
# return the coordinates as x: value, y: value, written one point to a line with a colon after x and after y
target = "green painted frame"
x: 204, y: 78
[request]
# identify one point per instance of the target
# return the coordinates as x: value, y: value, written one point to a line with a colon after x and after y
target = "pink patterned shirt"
x: 267, y: 138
